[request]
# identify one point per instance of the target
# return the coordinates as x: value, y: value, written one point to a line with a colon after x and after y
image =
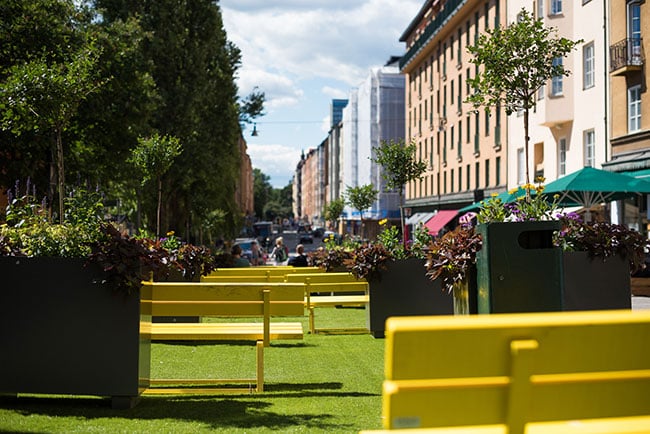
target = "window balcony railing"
x: 626, y: 55
x: 441, y: 18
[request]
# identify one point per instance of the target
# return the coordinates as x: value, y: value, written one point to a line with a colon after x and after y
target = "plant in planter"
x: 452, y: 259
x: 398, y: 284
x: 63, y: 305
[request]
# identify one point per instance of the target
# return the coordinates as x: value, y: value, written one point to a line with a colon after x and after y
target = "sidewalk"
x: 640, y: 302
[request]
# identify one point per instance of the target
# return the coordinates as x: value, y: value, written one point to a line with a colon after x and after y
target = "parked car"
x: 306, y: 238
x: 318, y: 232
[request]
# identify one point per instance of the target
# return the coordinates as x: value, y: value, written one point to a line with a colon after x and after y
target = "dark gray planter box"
x: 593, y: 284
x: 64, y: 331
x: 405, y: 290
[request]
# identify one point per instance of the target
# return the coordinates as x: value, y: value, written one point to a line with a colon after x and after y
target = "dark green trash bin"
x: 518, y: 269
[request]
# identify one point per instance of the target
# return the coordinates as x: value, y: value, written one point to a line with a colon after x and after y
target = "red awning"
x: 438, y: 221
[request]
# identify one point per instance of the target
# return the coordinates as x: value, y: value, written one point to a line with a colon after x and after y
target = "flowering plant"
x: 530, y: 205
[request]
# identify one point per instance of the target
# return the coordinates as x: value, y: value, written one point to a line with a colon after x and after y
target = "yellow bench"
x: 257, y: 274
x: 262, y: 300
x: 330, y: 290
x: 563, y: 372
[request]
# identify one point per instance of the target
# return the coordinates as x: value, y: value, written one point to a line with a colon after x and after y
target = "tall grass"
x: 324, y: 383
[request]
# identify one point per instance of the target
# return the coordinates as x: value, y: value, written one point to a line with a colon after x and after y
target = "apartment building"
x: 629, y: 104
x: 374, y: 113
x: 464, y: 148
x: 244, y: 189
x: 568, y: 127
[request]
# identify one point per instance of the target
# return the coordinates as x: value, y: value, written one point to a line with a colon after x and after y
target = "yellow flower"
x: 556, y: 196
x: 540, y: 179
x: 170, y: 233
x: 495, y: 194
x: 383, y: 222
x: 513, y: 190
x: 539, y: 189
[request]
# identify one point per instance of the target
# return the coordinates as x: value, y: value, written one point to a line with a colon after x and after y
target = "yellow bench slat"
x: 224, y: 331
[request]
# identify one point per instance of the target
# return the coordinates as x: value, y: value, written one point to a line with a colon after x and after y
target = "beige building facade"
x: 629, y: 103
x: 465, y: 149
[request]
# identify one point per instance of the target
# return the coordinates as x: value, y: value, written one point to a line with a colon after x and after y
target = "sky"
x: 302, y: 54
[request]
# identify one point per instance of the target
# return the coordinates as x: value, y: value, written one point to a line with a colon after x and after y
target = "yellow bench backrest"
x: 322, y: 277
x: 222, y: 299
x: 263, y: 271
x: 515, y: 368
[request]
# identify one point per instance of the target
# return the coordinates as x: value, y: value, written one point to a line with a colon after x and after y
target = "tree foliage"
x: 517, y: 61
x: 400, y: 167
x: 153, y: 156
x: 334, y: 209
x: 361, y: 198
x: 166, y: 66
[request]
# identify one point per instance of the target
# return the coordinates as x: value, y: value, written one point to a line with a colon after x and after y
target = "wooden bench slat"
x: 224, y: 331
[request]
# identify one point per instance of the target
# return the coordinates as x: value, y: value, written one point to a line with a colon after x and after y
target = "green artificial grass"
x: 324, y: 383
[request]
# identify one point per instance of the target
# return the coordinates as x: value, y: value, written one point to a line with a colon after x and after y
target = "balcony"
x: 439, y: 21
x: 626, y: 56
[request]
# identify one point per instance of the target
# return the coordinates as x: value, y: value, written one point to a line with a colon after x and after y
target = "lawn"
x: 325, y: 383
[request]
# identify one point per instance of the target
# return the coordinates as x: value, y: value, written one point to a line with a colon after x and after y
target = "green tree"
x: 42, y: 96
x: 261, y: 192
x: 517, y: 61
x: 334, y: 209
x: 153, y: 157
x: 361, y: 198
x: 400, y: 167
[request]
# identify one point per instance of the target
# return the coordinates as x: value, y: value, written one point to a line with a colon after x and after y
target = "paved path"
x: 640, y: 302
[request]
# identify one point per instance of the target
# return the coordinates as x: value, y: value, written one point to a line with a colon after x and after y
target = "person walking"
x: 280, y: 252
x: 300, y: 260
x: 256, y: 254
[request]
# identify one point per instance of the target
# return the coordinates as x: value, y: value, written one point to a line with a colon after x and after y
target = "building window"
x: 590, y: 148
x: 477, y: 173
x: 561, y: 157
x: 588, y: 75
x: 460, y: 178
x: 634, y: 109
x: 497, y: 168
x: 521, y: 166
x: 556, y: 82
x: 467, y: 176
x: 487, y: 173
x: 541, y: 91
x: 556, y: 7
x: 540, y: 9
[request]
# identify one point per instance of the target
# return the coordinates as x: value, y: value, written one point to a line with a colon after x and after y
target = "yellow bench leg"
x: 312, y: 327
x: 260, y: 366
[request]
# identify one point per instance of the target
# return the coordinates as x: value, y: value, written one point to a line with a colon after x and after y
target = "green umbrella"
x: 505, y: 197
x: 589, y: 186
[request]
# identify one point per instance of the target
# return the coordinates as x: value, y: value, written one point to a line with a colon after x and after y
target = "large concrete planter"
x: 64, y: 331
x: 593, y: 284
x: 405, y: 290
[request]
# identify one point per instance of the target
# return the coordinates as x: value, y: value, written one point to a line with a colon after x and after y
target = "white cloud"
x: 335, y: 93
x: 274, y: 160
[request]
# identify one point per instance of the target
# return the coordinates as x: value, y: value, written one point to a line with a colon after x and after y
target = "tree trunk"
x: 158, y: 209
x: 60, y: 171
x: 401, y: 215
x: 526, y: 140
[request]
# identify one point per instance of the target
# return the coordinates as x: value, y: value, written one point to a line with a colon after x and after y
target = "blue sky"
x: 303, y: 54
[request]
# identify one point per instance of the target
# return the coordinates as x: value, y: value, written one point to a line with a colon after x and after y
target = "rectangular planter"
x: 65, y: 331
x: 405, y: 290
x: 593, y: 284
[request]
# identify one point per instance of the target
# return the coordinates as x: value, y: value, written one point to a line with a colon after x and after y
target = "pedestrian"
x: 280, y: 251
x: 256, y: 254
x: 238, y: 261
x: 300, y: 260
